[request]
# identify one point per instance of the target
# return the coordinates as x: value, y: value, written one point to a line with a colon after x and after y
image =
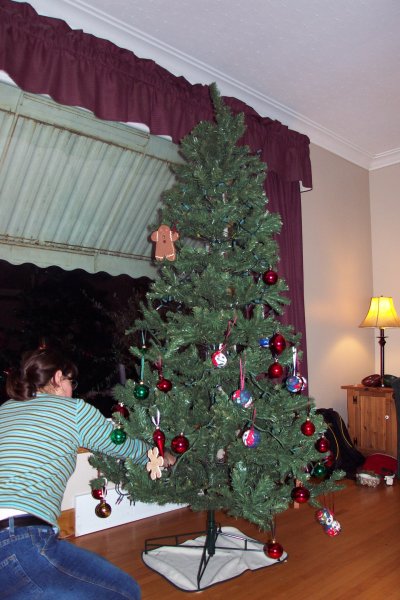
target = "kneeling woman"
x: 41, y: 429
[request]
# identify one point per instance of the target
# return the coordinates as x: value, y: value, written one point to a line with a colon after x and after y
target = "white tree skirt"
x: 180, y: 564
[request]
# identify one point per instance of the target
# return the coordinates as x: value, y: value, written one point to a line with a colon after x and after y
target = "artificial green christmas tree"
x: 215, y: 357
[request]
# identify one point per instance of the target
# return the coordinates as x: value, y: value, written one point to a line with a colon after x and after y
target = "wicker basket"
x: 368, y: 479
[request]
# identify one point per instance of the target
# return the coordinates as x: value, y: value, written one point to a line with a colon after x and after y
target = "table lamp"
x: 381, y: 314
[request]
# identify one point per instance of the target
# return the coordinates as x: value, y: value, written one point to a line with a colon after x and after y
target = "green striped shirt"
x: 39, y: 440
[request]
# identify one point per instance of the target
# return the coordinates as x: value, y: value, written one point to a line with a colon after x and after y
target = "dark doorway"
x: 84, y: 315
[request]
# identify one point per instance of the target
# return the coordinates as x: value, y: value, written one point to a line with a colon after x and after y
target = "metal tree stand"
x: 212, y: 533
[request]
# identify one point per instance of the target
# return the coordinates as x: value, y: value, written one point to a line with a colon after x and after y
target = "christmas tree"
x: 219, y: 375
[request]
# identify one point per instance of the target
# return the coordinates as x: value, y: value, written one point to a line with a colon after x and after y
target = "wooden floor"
x: 362, y: 562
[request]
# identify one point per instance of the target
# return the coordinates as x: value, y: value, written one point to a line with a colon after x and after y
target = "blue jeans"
x: 35, y: 564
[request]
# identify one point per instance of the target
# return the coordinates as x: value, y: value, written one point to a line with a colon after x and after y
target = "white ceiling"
x: 326, y: 68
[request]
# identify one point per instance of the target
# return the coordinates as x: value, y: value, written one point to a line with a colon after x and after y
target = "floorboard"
x: 361, y: 563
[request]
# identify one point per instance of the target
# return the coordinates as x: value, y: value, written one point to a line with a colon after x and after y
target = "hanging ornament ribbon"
x: 158, y: 435
x: 251, y: 437
x: 103, y: 509
x: 158, y: 366
x: 273, y: 549
x: 273, y: 527
x: 241, y: 375
x: 156, y: 420
x: 294, y: 350
x: 249, y: 310
x: 231, y: 324
x: 143, y: 348
x: 141, y: 391
x: 295, y: 383
x: 164, y: 385
x: 218, y: 358
x: 242, y: 396
x: 100, y: 492
x: 142, y: 368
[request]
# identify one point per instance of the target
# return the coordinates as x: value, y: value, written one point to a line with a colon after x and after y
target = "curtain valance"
x: 44, y: 55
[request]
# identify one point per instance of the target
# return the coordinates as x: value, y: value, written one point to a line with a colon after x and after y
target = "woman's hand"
x: 169, y: 459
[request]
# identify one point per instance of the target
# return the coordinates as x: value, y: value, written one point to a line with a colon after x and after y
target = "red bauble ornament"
x: 333, y: 531
x: 159, y: 440
x: 164, y: 385
x: 275, y: 370
x: 273, y: 550
x: 300, y: 494
x: 251, y: 437
x: 98, y: 494
x: 121, y: 409
x: 322, y: 444
x: 219, y: 359
x: 270, y: 277
x: 329, y: 461
x: 308, y: 428
x: 180, y: 444
x: 277, y: 343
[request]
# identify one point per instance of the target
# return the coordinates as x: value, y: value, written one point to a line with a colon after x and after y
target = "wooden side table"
x: 372, y: 419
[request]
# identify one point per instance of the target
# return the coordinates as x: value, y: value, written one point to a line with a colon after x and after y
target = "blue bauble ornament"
x: 294, y: 384
x: 322, y: 515
x: 242, y: 397
x: 245, y: 399
x: 264, y: 342
x: 251, y: 438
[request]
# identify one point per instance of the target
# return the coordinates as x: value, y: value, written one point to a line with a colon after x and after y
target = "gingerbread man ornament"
x: 164, y: 238
x: 155, y: 464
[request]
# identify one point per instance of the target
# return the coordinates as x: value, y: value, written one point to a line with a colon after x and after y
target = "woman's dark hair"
x: 37, y: 368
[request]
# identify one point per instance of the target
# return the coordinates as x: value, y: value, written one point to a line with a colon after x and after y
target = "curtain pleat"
x: 284, y: 197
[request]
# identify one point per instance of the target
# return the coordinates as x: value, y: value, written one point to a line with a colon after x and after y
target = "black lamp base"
x: 382, y: 342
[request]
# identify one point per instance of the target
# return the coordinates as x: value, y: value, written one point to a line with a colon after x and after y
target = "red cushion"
x: 381, y: 464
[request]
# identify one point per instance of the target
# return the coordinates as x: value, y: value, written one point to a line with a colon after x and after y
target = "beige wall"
x: 337, y: 277
x: 385, y: 212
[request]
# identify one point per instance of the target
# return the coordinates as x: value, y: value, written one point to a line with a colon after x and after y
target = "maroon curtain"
x: 45, y: 56
x: 284, y: 197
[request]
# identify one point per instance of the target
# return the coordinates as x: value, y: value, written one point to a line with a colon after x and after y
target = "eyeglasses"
x: 74, y: 383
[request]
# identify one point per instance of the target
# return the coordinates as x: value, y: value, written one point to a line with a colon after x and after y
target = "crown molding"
x: 385, y: 159
x: 79, y: 15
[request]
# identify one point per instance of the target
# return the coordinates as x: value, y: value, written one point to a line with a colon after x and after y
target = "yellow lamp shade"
x: 381, y: 314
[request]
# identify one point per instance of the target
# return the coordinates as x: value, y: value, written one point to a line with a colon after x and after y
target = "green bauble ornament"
x: 319, y: 470
x: 141, y: 391
x: 118, y: 436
